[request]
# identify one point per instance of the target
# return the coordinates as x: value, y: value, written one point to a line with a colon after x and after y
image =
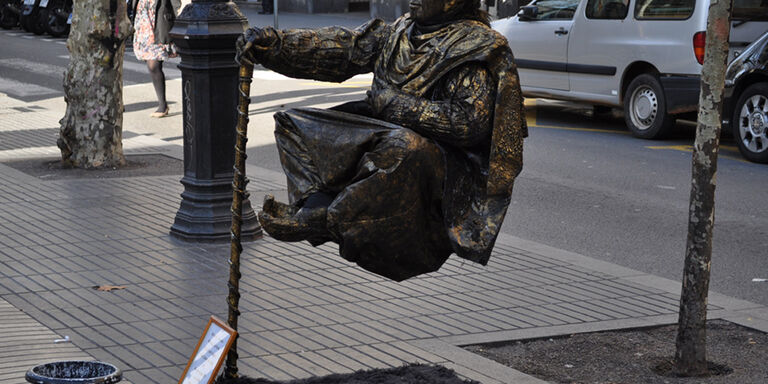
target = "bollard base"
x: 205, y: 215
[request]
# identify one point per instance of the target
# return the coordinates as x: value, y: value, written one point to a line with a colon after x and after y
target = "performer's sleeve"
x: 326, y: 54
x: 460, y: 111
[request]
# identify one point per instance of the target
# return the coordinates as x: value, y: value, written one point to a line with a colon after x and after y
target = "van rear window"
x: 663, y: 9
x: 750, y: 10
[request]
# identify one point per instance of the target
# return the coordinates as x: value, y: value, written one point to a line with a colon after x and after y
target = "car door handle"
x: 561, y: 31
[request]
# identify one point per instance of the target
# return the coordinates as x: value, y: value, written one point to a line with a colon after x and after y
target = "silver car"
x: 643, y: 56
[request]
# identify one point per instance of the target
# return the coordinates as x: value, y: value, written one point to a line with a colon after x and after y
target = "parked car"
x: 746, y: 89
x: 642, y: 55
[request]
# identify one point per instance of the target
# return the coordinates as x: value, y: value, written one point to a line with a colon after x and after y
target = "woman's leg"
x: 158, y: 80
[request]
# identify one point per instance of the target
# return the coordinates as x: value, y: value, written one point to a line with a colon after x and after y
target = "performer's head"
x: 429, y: 12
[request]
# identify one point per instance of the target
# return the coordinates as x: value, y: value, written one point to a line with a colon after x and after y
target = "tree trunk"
x: 691, y: 354
x: 91, y: 130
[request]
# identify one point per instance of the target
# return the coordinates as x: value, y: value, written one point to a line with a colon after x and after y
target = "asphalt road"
x: 587, y: 185
x: 32, y: 67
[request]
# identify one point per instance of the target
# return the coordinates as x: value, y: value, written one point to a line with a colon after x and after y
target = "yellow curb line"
x: 689, y: 149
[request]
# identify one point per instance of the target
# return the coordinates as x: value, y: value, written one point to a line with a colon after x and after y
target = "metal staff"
x: 239, y: 193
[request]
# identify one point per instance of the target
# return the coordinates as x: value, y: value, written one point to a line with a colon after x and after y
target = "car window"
x: 556, y: 9
x: 664, y: 9
x: 750, y: 10
x: 607, y: 9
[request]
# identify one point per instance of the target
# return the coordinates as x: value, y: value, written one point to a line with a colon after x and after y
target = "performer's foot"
x: 289, y: 223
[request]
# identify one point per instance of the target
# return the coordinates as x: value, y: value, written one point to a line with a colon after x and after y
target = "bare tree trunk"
x: 91, y: 130
x: 691, y: 353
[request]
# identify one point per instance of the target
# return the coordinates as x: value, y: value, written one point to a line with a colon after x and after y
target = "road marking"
x: 530, y: 111
x: 20, y: 89
x: 346, y: 84
x: 580, y: 129
x: 689, y: 149
x: 33, y: 66
x: 683, y: 148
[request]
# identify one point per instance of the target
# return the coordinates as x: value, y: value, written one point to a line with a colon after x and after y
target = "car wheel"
x: 645, y: 109
x: 750, y: 123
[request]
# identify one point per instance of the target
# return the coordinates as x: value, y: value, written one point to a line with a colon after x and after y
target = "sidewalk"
x: 305, y: 311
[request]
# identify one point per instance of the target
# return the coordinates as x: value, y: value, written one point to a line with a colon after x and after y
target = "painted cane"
x: 239, y: 193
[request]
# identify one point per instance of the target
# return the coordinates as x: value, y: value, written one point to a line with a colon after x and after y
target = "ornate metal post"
x: 205, y: 33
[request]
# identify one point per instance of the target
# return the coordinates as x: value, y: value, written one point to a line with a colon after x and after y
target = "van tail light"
x: 699, y: 40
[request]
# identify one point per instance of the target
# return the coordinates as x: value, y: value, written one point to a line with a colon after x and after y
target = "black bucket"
x: 74, y: 372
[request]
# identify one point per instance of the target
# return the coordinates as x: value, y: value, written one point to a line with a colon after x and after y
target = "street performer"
x: 422, y: 168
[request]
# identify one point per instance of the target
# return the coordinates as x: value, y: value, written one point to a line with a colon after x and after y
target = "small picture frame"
x: 209, y: 353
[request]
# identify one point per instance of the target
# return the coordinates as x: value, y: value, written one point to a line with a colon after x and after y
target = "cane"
x: 239, y: 193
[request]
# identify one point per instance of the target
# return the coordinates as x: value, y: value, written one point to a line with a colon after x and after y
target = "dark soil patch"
x: 138, y: 165
x: 737, y: 354
x: 407, y: 374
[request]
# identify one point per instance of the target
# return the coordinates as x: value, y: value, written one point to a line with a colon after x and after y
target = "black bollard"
x: 205, y: 34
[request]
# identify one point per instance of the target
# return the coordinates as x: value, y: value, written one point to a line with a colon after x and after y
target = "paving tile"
x: 248, y: 348
x: 339, y: 337
x: 315, y: 337
x: 409, y: 326
x: 301, y: 360
x: 259, y: 367
x: 327, y: 363
x: 152, y: 356
x: 89, y: 338
x: 458, y: 321
x: 291, y: 369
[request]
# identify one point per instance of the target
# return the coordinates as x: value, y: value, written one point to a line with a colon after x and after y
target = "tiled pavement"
x: 305, y: 311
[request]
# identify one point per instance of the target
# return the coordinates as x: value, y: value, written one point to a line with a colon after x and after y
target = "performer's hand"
x: 253, y: 42
x: 379, y: 98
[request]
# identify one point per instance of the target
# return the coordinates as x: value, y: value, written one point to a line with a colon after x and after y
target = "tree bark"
x: 690, y: 354
x: 91, y: 130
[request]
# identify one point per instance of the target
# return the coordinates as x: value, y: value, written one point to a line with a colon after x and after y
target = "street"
x: 587, y: 185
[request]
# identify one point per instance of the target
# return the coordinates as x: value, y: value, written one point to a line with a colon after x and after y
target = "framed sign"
x: 210, y: 352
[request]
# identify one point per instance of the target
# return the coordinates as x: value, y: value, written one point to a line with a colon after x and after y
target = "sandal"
x: 158, y: 115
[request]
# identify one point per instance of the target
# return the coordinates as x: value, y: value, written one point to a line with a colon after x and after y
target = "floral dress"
x: 144, y: 46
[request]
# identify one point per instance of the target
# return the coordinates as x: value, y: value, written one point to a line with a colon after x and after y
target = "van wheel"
x: 750, y: 123
x: 645, y: 109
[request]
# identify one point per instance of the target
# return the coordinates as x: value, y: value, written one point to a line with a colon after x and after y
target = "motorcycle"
x: 10, y: 10
x: 30, y: 17
x: 55, y: 16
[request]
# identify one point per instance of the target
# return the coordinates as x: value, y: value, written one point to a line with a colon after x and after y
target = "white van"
x: 642, y: 55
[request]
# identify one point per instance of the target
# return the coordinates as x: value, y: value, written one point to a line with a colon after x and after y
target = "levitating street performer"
x: 421, y: 169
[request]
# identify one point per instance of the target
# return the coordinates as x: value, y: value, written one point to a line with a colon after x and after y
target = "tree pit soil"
x: 407, y: 374
x: 736, y: 354
x: 137, y: 166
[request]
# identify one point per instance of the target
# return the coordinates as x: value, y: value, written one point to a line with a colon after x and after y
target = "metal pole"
x: 239, y: 183
x: 276, y: 25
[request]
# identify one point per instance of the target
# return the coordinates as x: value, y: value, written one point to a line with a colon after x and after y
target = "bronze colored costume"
x: 421, y: 170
